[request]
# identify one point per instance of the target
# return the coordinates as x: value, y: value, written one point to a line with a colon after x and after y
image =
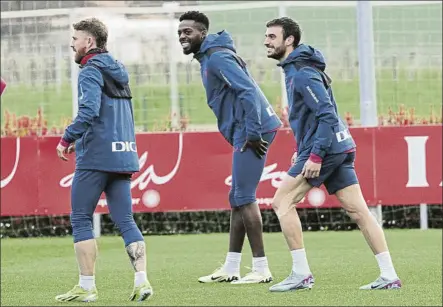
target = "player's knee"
x: 128, y: 229
x: 81, y: 227
x: 282, y: 206
x: 284, y: 203
x: 251, y: 215
x: 360, y: 216
x: 356, y: 216
x: 132, y: 235
x: 353, y: 202
x: 276, y: 203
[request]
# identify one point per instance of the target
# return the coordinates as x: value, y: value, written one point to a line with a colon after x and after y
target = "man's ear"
x: 289, y: 40
x: 204, y: 33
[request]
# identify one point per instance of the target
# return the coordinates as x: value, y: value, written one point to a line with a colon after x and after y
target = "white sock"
x: 300, y: 262
x: 386, y: 267
x: 232, y: 263
x: 140, y: 278
x: 87, y: 282
x: 260, y: 264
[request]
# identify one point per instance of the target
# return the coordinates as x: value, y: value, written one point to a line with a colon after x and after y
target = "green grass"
x: 152, y: 101
x: 33, y: 271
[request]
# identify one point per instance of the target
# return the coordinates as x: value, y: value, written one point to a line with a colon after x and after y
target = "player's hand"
x: 61, y: 150
x: 311, y: 169
x: 260, y: 147
x: 294, y: 158
x: 71, y: 148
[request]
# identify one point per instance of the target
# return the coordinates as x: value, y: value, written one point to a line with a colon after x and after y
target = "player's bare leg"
x: 237, y: 231
x: 83, y: 206
x: 230, y: 270
x: 245, y: 219
x: 354, y: 203
x: 137, y: 255
x: 85, y: 291
x: 86, y: 254
x: 118, y: 196
x: 253, y: 225
x: 291, y: 191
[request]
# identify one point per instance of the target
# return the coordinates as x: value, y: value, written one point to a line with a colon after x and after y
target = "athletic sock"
x: 232, y: 263
x: 140, y: 278
x: 260, y: 264
x: 300, y: 262
x: 87, y: 282
x: 387, y: 270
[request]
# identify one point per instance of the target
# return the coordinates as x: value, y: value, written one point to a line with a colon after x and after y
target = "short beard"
x: 278, y: 53
x: 196, y: 48
x: 78, y: 57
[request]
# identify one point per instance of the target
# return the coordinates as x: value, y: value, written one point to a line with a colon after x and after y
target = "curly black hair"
x: 289, y: 26
x: 198, y: 17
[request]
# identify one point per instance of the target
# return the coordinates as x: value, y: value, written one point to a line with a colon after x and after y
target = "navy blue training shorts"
x: 337, y: 171
x: 247, y: 169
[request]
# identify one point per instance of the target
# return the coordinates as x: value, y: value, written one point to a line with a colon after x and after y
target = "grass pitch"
x: 34, y: 271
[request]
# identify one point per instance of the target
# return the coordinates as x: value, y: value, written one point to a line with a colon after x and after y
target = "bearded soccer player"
x: 325, y: 155
x: 247, y: 121
x: 103, y: 137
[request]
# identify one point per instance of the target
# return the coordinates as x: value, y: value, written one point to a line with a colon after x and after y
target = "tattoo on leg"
x: 136, y: 253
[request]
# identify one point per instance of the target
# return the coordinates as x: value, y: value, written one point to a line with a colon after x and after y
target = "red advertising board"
x: 408, y: 165
x: 191, y: 171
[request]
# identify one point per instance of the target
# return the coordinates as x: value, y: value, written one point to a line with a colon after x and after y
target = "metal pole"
x: 173, y: 77
x: 366, y: 67
x: 423, y: 217
x: 368, y: 98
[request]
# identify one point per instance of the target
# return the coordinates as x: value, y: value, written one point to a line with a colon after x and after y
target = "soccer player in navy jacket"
x: 103, y: 137
x: 325, y: 155
x: 247, y: 121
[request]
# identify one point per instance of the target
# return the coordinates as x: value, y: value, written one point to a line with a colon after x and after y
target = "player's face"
x: 190, y: 36
x: 274, y: 42
x: 81, y: 43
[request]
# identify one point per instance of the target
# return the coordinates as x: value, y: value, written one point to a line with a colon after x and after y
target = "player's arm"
x: 226, y: 68
x: 89, y: 101
x: 310, y: 85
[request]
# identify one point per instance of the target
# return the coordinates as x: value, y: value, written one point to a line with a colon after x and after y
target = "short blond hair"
x: 94, y: 27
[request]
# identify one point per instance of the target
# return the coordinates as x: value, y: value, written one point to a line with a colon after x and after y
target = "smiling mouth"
x: 185, y: 45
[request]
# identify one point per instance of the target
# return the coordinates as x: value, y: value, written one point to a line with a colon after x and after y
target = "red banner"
x: 191, y: 171
x: 408, y: 165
